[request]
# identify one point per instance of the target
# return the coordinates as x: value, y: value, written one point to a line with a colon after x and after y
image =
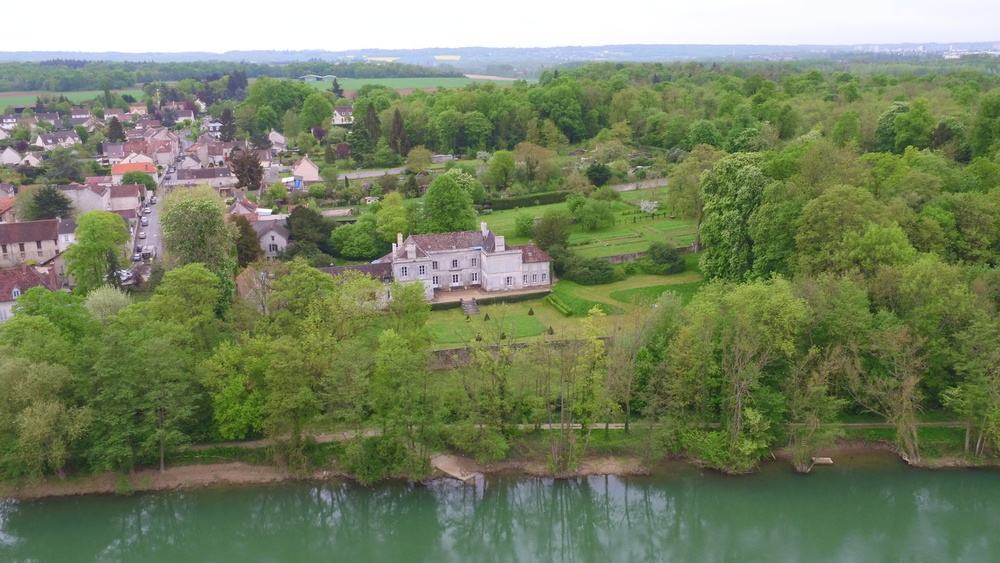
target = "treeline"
x: 69, y: 76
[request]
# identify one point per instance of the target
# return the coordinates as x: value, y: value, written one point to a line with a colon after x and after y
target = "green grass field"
x: 404, y: 83
x: 632, y: 233
x: 28, y: 98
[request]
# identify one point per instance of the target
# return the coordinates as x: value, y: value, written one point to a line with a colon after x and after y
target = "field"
x: 28, y: 98
x: 632, y: 232
x: 403, y: 83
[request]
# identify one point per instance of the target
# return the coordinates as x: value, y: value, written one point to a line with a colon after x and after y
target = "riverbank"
x: 238, y: 473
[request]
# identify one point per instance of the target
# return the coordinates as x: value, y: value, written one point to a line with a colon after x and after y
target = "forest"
x: 849, y: 237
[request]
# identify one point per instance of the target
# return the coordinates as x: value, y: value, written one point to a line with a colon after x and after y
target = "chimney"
x: 24, y: 266
x: 394, y: 247
x: 484, y: 228
x: 411, y: 251
x: 498, y: 243
x: 53, y: 279
x: 399, y: 239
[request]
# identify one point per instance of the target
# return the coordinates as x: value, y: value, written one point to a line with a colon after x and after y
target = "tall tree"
x: 372, y: 124
x: 685, y: 196
x: 116, y: 133
x: 194, y: 230
x: 227, y: 130
x: 248, y: 248
x: 47, y: 202
x: 398, y: 140
x: 733, y: 189
x: 316, y: 111
x: 448, y: 207
x: 338, y: 92
x: 247, y: 169
x: 100, y: 237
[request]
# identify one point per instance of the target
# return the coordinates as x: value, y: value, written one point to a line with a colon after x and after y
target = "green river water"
x: 868, y: 507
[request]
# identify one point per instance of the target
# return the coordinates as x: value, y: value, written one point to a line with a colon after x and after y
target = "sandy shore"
x: 239, y: 473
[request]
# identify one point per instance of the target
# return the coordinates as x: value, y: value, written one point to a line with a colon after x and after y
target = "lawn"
x: 27, y: 99
x: 449, y: 328
x: 632, y: 232
x: 652, y: 293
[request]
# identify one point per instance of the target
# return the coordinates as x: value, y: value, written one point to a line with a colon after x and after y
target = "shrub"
x: 663, y: 258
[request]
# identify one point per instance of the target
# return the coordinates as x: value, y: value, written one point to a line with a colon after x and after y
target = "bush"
x: 663, y: 258
x: 587, y: 271
x: 524, y: 223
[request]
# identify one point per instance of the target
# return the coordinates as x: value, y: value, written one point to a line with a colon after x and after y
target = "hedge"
x: 529, y: 200
x: 491, y: 300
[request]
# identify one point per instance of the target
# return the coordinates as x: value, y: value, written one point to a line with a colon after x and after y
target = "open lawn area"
x: 450, y: 328
x: 632, y: 232
x: 28, y: 98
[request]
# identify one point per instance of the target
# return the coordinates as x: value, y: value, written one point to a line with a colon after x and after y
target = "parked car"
x: 147, y: 210
x: 142, y: 234
x: 144, y: 222
x: 152, y: 199
x: 137, y: 257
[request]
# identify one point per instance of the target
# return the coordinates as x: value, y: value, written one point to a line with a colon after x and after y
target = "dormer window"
x: 15, y: 293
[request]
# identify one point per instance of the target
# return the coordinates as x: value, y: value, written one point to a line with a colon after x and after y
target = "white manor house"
x: 466, y: 260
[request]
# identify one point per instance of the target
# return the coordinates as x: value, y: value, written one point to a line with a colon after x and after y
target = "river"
x: 870, y: 509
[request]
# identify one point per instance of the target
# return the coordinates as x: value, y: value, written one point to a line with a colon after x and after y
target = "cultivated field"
x: 403, y: 83
x: 28, y: 98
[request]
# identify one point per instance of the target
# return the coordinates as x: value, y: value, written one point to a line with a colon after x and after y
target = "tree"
x: 47, y: 202
x: 372, y: 124
x: 392, y: 218
x: 317, y: 111
x: 535, y: 161
x: 195, y: 231
x: 136, y: 177
x: 62, y: 165
x: 685, y: 196
x: 338, y: 92
x: 247, y: 169
x: 598, y: 173
x: 116, y: 133
x: 418, y: 159
x: 733, y: 189
x: 594, y: 215
x: 398, y: 140
x: 359, y: 240
x: 448, y: 207
x: 98, y: 234
x: 550, y: 232
x: 248, y: 248
x: 105, y: 302
x: 915, y: 127
x: 501, y: 169
x: 885, y: 130
x: 227, y: 129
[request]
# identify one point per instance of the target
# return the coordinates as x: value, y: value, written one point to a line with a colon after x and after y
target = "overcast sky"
x: 219, y: 26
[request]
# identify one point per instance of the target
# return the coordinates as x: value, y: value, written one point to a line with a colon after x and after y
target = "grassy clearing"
x: 567, y: 302
x: 28, y: 98
x: 450, y: 327
x: 632, y: 232
x: 652, y: 293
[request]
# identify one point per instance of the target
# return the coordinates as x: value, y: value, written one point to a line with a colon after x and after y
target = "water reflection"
x: 835, y: 515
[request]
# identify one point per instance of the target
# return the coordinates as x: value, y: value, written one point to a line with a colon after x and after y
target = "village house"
x: 31, y: 159
x: 468, y: 259
x: 36, y: 241
x: 343, y: 115
x: 64, y: 139
x: 4, y: 135
x: 307, y: 171
x: 278, y: 144
x: 214, y: 128
x: 137, y: 157
x: 15, y: 281
x: 88, y: 197
x: 113, y: 153
x: 9, y: 157
x: 79, y: 112
x: 67, y: 233
x: 119, y: 170
x: 273, y: 236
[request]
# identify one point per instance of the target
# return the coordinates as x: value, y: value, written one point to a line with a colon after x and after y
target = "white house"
x: 31, y: 240
x: 65, y: 139
x: 15, y: 281
x: 468, y: 259
x: 9, y: 157
x: 273, y: 237
x: 343, y: 115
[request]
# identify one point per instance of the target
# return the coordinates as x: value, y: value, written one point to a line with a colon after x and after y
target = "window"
x: 38, y: 245
x: 41, y: 254
x: 404, y: 271
x: 509, y: 280
x: 3, y: 315
x: 435, y: 281
x: 20, y: 246
x: 272, y: 237
x: 3, y: 248
x: 475, y: 262
x: 544, y: 275
x: 525, y: 280
x: 15, y: 292
x: 454, y: 264
x: 272, y: 248
x: 534, y: 278
x: 421, y: 270
x: 434, y: 265
x: 65, y: 238
x: 475, y: 277
x: 454, y: 279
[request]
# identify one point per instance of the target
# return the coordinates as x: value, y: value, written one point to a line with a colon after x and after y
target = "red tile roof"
x: 23, y: 279
x: 5, y: 204
x: 133, y: 167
